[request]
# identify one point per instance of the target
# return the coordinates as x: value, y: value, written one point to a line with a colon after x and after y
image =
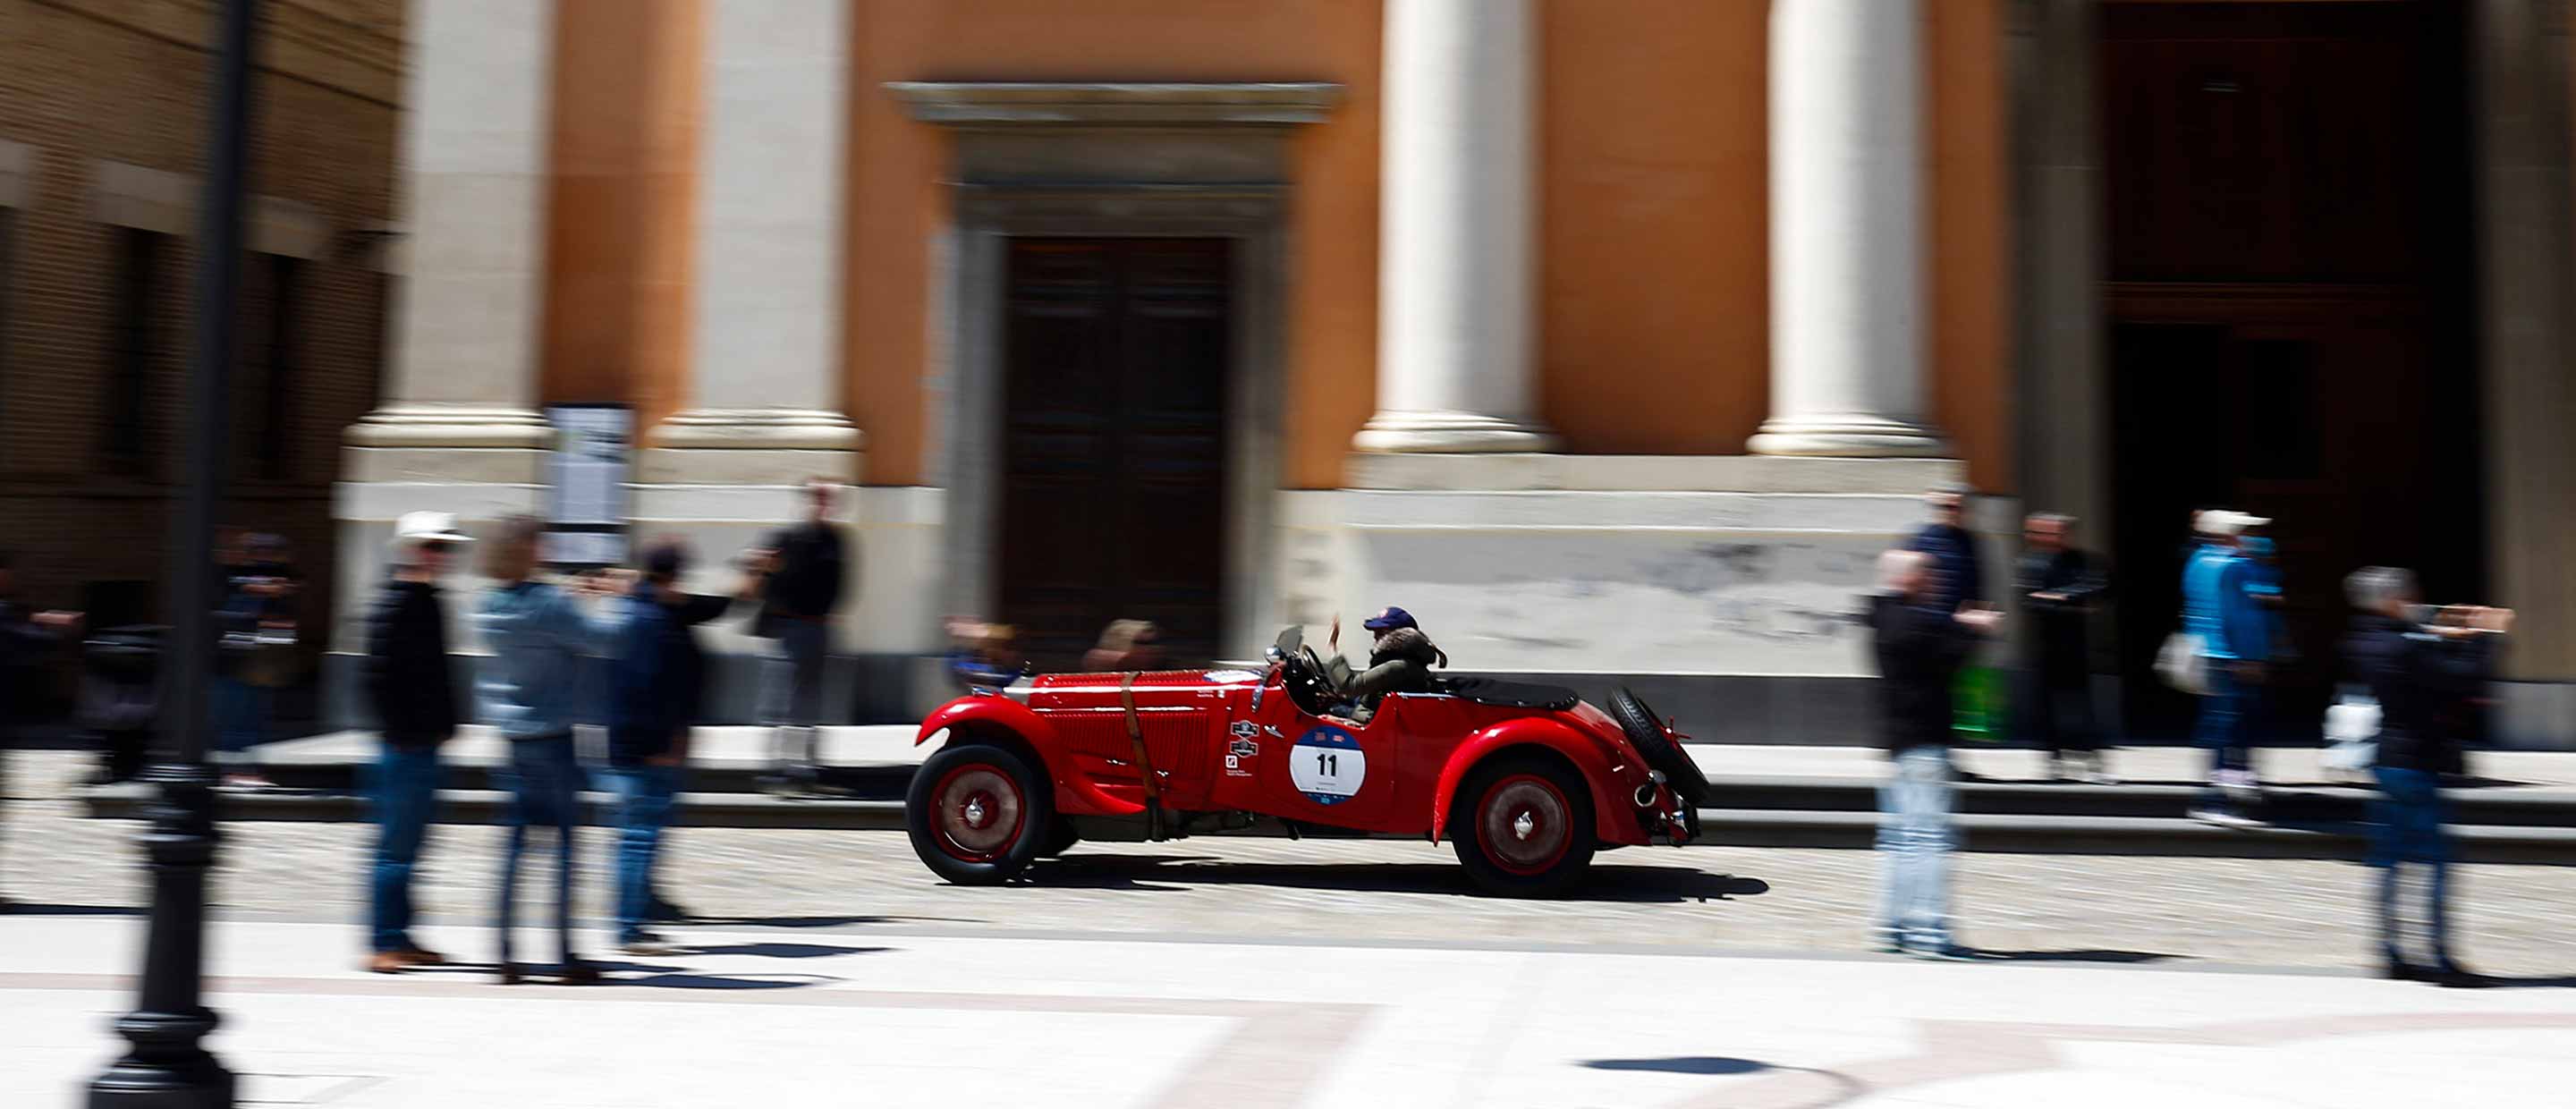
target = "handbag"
x: 2183, y: 665
x: 2352, y: 732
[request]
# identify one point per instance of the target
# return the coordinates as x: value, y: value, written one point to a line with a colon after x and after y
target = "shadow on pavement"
x: 821, y: 921
x: 1607, y: 883
x: 2076, y: 956
x: 786, y: 950
x: 1684, y: 1064
x: 2498, y: 982
x: 725, y: 982
x: 39, y: 908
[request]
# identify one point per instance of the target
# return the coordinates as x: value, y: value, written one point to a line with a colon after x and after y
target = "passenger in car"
x: 1400, y: 661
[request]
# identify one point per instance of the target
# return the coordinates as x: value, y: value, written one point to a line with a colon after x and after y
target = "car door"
x: 1329, y: 771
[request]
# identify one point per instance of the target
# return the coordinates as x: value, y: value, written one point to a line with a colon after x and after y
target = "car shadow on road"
x: 1653, y: 884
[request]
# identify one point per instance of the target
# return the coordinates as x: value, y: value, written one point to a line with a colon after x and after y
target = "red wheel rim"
x: 1524, y: 824
x: 976, y: 812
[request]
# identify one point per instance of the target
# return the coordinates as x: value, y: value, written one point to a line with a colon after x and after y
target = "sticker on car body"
x: 1327, y: 765
x: 1224, y: 677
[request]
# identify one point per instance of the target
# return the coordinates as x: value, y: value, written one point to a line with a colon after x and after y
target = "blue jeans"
x: 2406, y: 827
x: 1914, y: 838
x: 242, y: 712
x: 644, y: 797
x: 544, y: 783
x: 406, y: 794
x: 792, y: 689
x: 2225, y: 714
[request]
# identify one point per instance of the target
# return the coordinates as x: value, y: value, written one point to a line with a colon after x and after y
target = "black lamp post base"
x: 189, y: 1078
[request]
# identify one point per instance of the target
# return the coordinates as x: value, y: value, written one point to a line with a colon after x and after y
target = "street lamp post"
x: 168, y: 1066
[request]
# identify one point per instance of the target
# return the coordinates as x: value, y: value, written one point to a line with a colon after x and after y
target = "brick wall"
x: 85, y: 81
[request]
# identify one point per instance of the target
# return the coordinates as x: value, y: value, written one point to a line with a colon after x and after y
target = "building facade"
x: 102, y: 137
x: 1611, y: 337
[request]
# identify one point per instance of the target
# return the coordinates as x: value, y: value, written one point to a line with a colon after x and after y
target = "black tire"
x: 1645, y: 732
x: 1523, y: 827
x: 978, y: 814
x: 1060, y: 838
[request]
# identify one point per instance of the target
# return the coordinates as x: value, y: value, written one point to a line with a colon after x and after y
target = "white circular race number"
x: 1327, y: 765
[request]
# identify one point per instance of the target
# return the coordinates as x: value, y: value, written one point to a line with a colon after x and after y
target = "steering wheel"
x: 1302, y: 674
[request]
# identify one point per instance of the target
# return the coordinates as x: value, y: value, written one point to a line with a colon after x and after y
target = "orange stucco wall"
x: 627, y: 80
x: 897, y: 204
x: 1654, y: 247
x: 1967, y: 134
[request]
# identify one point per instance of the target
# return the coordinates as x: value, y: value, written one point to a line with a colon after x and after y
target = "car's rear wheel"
x: 1646, y: 733
x: 1524, y: 827
x: 978, y: 813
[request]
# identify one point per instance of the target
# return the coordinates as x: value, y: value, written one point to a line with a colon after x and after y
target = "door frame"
x: 968, y: 405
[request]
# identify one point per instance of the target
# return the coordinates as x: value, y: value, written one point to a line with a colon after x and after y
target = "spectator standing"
x: 656, y: 686
x: 1126, y: 645
x: 26, y: 638
x: 259, y: 620
x: 2059, y: 589
x: 1958, y: 577
x: 411, y: 681
x: 2422, y: 673
x: 539, y: 636
x: 2222, y: 609
x: 808, y: 570
x: 1919, y: 647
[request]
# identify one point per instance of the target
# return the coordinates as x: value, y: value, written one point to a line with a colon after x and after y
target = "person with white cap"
x: 2220, y: 609
x: 411, y: 683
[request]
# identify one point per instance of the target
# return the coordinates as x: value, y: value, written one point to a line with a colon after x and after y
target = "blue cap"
x: 1390, y: 617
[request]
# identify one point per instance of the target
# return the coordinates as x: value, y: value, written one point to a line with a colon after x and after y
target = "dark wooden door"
x: 1113, y: 503
x: 2288, y: 237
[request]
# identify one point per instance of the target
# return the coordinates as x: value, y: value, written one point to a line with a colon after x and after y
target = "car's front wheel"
x: 978, y: 813
x: 1524, y: 827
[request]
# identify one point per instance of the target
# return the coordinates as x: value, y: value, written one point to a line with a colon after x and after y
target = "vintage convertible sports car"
x: 1527, y: 781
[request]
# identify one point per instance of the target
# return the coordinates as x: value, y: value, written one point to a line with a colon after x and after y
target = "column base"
x: 1451, y: 433
x: 1848, y: 437
x: 717, y: 446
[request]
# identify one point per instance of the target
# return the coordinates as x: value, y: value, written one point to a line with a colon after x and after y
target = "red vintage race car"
x: 1527, y: 781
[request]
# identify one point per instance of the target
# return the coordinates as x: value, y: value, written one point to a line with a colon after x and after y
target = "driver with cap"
x: 1399, y: 662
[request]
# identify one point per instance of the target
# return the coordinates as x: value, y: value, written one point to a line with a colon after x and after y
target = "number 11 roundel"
x: 1327, y: 765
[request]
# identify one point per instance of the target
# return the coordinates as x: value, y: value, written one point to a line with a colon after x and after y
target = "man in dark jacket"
x: 807, y: 571
x: 657, y: 678
x: 1957, y: 575
x: 1919, y: 646
x: 2425, y: 674
x: 411, y: 681
x: 2058, y: 590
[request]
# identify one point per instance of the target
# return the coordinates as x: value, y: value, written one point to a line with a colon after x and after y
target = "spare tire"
x: 1646, y: 733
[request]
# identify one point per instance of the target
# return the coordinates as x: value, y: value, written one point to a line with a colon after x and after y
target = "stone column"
x: 1457, y: 317
x: 456, y: 429
x: 2527, y: 293
x: 460, y: 384
x: 1847, y: 304
x: 765, y: 374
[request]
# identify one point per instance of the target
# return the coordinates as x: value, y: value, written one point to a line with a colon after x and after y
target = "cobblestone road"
x: 2513, y: 919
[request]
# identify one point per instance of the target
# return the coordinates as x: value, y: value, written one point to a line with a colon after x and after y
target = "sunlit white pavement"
x: 901, y: 1015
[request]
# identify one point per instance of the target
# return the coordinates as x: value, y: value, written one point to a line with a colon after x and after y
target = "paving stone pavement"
x: 2181, y: 912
